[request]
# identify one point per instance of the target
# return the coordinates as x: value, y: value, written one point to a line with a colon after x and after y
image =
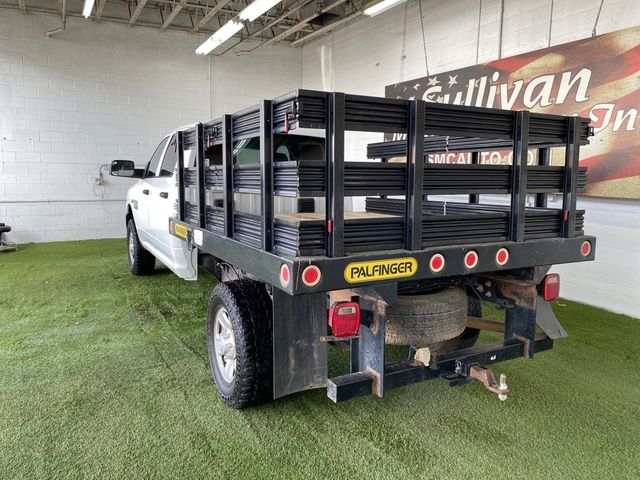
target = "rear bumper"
x: 265, y: 266
x: 551, y: 251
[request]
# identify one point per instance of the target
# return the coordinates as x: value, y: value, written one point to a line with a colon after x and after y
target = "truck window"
x: 298, y: 147
x: 286, y: 147
x: 154, y: 162
x: 169, y: 160
x: 247, y: 151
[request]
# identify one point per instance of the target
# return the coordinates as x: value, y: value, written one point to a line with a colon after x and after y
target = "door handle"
x: 164, y: 194
x: 145, y: 191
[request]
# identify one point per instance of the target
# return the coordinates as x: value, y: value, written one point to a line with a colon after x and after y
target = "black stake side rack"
x: 261, y: 244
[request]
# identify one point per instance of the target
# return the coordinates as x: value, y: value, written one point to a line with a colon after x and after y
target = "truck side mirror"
x: 124, y: 168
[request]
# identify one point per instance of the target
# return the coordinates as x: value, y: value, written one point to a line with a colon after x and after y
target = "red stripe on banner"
x: 612, y: 165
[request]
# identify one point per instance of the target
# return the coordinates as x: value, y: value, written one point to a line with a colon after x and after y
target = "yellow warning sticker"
x: 381, y: 269
x: 181, y: 230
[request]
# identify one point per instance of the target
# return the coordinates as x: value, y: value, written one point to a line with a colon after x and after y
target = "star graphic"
x: 416, y: 86
x: 453, y: 80
x: 433, y: 82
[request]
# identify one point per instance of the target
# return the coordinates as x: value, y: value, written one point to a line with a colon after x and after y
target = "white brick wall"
x: 366, y: 55
x: 96, y: 92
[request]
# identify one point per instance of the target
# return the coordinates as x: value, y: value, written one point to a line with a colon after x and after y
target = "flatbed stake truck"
x: 264, y: 206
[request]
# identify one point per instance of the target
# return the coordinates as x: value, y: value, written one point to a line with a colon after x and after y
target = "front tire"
x: 141, y: 262
x: 239, y: 342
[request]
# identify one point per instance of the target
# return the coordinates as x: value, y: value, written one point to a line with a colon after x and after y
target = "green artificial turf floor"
x: 103, y: 375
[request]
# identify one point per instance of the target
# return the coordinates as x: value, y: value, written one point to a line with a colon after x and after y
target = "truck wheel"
x: 141, y: 262
x: 468, y: 337
x: 426, y: 319
x: 239, y: 342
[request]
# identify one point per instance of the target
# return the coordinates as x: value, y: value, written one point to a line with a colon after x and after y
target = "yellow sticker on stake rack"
x: 181, y: 230
x: 381, y: 269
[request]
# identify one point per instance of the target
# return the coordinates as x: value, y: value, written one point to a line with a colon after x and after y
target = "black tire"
x: 249, y: 311
x: 426, y: 319
x: 469, y: 336
x: 141, y: 262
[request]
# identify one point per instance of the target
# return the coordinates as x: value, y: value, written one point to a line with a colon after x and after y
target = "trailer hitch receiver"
x: 486, y: 377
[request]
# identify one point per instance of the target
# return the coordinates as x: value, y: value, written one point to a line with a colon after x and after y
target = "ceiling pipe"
x: 61, y: 28
x: 297, y: 27
x: 326, y: 28
x: 99, y: 10
x: 136, y: 13
x: 301, y: 4
x: 174, y: 13
x: 119, y: 21
x: 210, y: 14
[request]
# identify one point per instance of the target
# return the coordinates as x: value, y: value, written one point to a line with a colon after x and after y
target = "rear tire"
x: 141, y: 262
x: 239, y: 342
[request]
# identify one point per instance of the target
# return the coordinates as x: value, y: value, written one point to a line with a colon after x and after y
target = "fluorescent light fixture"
x: 383, y: 6
x: 257, y: 8
x: 88, y: 6
x: 223, y: 34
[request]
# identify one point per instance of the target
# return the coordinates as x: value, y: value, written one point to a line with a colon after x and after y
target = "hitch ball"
x: 503, y: 388
x: 485, y: 375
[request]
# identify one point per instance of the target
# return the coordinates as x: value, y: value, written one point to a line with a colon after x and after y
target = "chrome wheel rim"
x: 131, y: 248
x: 225, y: 345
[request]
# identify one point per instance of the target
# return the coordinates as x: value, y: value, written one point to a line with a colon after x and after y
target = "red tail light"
x: 436, y: 264
x: 471, y: 259
x: 502, y: 256
x: 285, y: 275
x: 551, y: 287
x: 344, y: 318
x: 311, y: 276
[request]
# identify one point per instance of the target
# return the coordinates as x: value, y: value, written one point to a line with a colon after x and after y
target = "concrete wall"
x: 96, y: 92
x: 370, y: 53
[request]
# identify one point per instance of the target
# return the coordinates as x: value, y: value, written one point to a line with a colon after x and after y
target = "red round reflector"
x: 502, y: 256
x: 585, y: 248
x: 284, y: 275
x: 436, y: 264
x: 311, y: 276
x: 471, y: 259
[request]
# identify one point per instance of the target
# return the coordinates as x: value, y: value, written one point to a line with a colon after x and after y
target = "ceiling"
x: 291, y: 21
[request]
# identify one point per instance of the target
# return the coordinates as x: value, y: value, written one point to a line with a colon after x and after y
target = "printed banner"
x: 598, y: 78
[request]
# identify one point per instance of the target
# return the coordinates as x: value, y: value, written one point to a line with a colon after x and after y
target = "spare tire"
x: 426, y: 319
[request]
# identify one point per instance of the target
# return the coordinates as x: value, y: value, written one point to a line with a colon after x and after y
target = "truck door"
x: 140, y: 197
x: 163, y: 201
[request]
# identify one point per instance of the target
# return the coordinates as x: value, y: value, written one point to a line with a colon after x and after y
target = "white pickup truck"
x: 267, y: 211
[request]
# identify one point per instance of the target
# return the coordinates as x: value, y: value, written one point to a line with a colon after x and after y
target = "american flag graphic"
x: 597, y: 78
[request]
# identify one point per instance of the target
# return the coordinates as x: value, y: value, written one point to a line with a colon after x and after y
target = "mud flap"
x: 299, y: 357
x: 547, y: 321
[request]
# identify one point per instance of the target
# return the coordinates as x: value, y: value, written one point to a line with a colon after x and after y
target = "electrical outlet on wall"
x: 99, y: 178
